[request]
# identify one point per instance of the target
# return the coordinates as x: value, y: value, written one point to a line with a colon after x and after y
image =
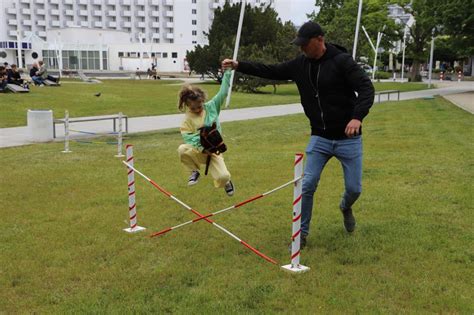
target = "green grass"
x: 134, y: 98
x: 63, y: 249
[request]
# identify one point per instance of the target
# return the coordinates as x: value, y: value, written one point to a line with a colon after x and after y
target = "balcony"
x: 141, y: 13
x: 12, y: 22
x: 141, y: 24
x: 84, y: 23
x: 140, y: 2
x: 112, y: 24
x: 26, y: 11
x: 169, y: 35
x: 41, y: 23
x: 98, y: 24
x: 54, y: 1
x: 127, y: 24
x: 126, y: 13
x: 25, y: 1
x: 111, y: 13
x: 97, y: 2
x: 40, y: 12
x: 70, y: 24
x: 155, y: 35
x: 111, y: 2
x: 42, y: 34
x: 155, y: 13
x: 155, y: 24
x: 69, y: 12
x: 54, y: 12
x: 11, y: 11
x: 83, y: 13
x: 39, y: 1
x: 126, y: 2
x: 97, y: 13
x: 169, y: 24
x: 169, y: 2
x: 83, y: 2
x: 55, y: 23
x: 154, y: 2
x: 27, y: 22
x: 69, y: 2
x: 169, y: 14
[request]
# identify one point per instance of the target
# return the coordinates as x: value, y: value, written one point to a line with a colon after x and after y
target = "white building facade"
x: 106, y: 34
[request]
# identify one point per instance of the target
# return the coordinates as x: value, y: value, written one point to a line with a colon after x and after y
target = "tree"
x: 338, y: 20
x: 264, y: 38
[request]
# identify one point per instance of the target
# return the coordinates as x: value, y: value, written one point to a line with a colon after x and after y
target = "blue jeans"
x: 318, y: 153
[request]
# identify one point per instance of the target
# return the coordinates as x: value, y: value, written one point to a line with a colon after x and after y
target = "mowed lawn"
x: 135, y: 98
x: 63, y: 249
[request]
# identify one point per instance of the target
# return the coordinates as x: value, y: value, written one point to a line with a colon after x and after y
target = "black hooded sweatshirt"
x: 327, y: 88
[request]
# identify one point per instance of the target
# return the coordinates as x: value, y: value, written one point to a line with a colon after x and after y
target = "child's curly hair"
x: 192, y: 93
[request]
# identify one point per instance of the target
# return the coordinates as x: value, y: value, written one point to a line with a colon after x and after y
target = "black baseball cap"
x: 307, y: 31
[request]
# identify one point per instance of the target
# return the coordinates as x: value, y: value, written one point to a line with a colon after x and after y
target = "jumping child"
x: 199, y: 113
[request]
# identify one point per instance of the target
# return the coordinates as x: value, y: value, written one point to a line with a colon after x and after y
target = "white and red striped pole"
x: 119, y: 136
x: 295, y: 265
x: 132, y: 206
x: 240, y: 204
x: 459, y: 75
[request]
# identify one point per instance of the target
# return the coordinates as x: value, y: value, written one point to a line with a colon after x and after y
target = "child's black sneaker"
x: 349, y: 220
x: 229, y: 188
x: 194, y: 178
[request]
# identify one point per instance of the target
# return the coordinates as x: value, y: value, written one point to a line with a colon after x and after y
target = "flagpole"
x: 236, y: 49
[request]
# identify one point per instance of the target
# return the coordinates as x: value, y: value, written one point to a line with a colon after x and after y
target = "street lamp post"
x: 356, y: 37
x: 431, y: 58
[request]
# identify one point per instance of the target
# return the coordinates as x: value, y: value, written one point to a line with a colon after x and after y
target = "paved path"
x: 10, y: 137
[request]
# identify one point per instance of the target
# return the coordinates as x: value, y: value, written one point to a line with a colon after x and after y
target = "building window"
x: 194, y: 33
x: 165, y: 55
x: 193, y: 22
x: 174, y: 55
x: 194, y: 11
x: 193, y: 1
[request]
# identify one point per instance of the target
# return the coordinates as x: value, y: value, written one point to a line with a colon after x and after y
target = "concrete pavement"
x: 460, y: 93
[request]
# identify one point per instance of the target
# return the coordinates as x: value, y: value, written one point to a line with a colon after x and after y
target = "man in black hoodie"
x: 328, y: 79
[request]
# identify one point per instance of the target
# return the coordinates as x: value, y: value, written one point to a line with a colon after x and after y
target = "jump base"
x: 135, y: 229
x: 297, y: 269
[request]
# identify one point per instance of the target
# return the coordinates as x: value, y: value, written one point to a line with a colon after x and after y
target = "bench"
x: 16, y: 88
x: 388, y: 92
x: 93, y: 118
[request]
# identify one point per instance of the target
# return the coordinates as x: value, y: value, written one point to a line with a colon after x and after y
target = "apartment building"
x: 106, y: 34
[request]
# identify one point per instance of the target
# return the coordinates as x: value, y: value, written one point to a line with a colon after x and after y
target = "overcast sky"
x: 294, y: 10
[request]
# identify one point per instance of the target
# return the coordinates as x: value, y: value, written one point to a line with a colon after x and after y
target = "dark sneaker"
x: 302, y: 242
x: 349, y: 220
x: 229, y: 188
x: 194, y: 178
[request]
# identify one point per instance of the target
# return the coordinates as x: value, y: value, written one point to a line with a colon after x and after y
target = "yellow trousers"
x: 192, y: 160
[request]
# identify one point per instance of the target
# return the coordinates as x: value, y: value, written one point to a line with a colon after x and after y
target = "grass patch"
x: 132, y: 97
x: 64, y: 251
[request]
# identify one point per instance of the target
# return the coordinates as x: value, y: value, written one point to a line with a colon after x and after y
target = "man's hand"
x: 230, y: 64
x: 353, y: 128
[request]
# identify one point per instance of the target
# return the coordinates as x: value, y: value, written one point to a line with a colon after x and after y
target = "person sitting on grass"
x: 14, y: 77
x: 3, y: 79
x: 37, y: 80
x: 198, y: 114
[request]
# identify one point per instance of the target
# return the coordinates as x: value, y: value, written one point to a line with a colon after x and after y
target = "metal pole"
x: 403, y: 51
x: 236, y: 49
x: 66, y: 132
x: 431, y: 58
x: 356, y: 37
x: 119, y: 137
x: 18, y: 43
